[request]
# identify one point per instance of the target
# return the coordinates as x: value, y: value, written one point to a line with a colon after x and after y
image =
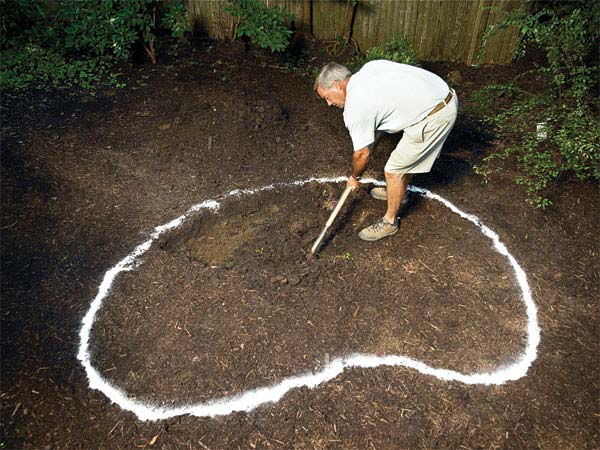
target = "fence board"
x: 452, y: 31
x: 437, y: 29
x: 475, y: 27
x: 414, y: 21
x: 447, y: 43
x: 493, y: 48
x: 407, y: 18
x: 426, y: 17
x: 512, y: 33
x: 467, y: 19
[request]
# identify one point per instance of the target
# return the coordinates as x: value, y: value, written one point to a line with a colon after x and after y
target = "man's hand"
x: 353, y: 183
x: 359, y: 161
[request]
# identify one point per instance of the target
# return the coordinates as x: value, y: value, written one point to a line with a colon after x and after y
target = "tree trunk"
x: 150, y: 50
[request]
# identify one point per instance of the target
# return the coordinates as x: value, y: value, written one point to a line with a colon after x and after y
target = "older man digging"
x: 385, y: 96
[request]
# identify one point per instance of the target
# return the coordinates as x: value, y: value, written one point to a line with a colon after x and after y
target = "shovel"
x: 332, y: 217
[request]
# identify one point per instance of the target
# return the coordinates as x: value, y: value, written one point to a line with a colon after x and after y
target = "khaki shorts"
x: 422, y: 142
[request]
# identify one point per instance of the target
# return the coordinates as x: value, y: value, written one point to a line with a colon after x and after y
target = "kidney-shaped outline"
x: 248, y: 400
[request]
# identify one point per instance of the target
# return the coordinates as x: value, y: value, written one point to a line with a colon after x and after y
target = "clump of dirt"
x: 217, y: 245
x: 215, y: 242
x: 234, y: 293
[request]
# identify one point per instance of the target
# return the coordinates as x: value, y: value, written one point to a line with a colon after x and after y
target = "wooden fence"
x: 448, y: 30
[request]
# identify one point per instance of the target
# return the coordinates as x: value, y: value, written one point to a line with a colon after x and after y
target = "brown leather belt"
x: 441, y: 105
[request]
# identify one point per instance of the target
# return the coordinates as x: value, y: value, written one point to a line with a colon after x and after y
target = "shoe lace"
x: 379, y: 225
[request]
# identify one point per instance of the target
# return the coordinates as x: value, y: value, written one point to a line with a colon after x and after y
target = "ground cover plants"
x: 554, y: 132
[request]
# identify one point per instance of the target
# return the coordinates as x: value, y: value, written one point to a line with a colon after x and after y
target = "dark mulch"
x: 229, y: 301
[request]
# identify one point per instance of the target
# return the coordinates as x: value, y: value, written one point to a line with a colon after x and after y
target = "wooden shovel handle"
x: 332, y: 217
x: 339, y: 205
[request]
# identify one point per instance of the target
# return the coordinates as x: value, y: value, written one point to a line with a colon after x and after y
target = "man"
x: 385, y: 96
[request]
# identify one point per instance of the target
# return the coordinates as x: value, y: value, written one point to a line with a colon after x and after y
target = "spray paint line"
x: 251, y: 399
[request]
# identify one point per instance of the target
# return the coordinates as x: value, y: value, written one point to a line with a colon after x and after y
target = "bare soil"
x: 229, y: 301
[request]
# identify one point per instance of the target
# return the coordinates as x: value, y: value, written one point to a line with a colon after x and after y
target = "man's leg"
x: 388, y: 226
x: 416, y: 152
x: 396, y: 188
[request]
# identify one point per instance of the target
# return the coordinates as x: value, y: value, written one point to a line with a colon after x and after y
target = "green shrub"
x: 176, y: 20
x: 264, y: 25
x: 571, y: 145
x: 398, y: 50
x: 32, y: 65
x: 75, y: 42
x: 99, y: 29
x: 567, y: 108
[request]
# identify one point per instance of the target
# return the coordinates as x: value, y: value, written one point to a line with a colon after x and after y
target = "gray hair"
x: 330, y: 73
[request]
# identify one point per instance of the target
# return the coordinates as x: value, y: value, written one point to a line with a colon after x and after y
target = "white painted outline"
x: 251, y: 399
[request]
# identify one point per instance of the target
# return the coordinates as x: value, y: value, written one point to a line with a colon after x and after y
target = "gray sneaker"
x: 380, y: 229
x: 380, y: 193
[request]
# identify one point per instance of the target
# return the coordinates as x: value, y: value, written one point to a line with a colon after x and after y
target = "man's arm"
x: 359, y: 161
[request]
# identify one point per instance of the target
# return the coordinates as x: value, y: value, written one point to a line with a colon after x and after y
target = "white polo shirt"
x: 388, y: 96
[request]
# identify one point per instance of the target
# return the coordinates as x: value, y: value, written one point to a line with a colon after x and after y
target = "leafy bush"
x: 567, y: 109
x: 568, y: 144
x: 264, y: 25
x: 175, y: 19
x: 33, y: 65
x: 398, y: 50
x: 98, y: 29
x: 77, y: 41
